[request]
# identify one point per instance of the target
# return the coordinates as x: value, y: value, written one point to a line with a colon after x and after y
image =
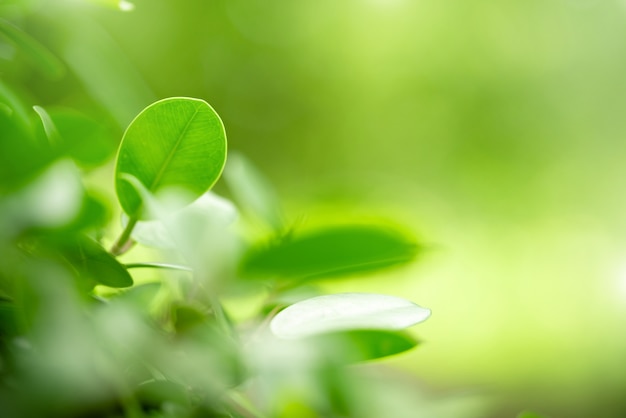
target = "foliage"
x: 82, y: 335
x: 91, y: 326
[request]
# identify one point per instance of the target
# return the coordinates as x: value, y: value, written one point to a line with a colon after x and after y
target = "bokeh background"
x: 495, y: 129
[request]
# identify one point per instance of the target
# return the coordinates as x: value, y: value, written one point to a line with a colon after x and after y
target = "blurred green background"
x: 496, y: 129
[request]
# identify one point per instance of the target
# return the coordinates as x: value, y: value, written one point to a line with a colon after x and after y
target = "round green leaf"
x: 344, y: 312
x: 176, y: 142
x: 330, y: 252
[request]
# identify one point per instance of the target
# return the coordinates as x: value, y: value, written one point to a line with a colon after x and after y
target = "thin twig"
x: 158, y: 266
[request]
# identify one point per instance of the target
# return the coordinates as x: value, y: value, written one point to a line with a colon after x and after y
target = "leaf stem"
x: 124, y: 242
x: 158, y: 266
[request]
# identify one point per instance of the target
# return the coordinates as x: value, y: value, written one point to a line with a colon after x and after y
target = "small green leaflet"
x: 173, y: 143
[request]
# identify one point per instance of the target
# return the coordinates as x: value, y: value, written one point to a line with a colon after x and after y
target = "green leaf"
x: 94, y: 262
x: 344, y: 312
x: 21, y: 156
x: 16, y: 108
x: 175, y: 142
x: 187, y: 317
x: 9, y: 323
x: 75, y: 135
x: 155, y: 393
x: 48, y: 64
x: 48, y: 125
x: 362, y: 345
x: 329, y: 252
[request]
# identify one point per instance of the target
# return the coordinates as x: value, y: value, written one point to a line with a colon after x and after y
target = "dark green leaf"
x: 176, y: 142
x: 48, y: 64
x: 94, y: 262
x: 362, y: 345
x: 329, y: 252
x: 9, y: 323
x: 186, y: 318
x: 154, y: 393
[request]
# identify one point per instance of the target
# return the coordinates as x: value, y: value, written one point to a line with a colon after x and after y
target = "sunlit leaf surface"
x: 346, y: 311
x: 330, y: 252
x: 175, y: 142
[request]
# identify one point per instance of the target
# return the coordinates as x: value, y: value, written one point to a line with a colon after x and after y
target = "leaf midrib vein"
x: 170, y: 155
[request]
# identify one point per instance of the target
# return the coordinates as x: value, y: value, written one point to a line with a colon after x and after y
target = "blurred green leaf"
x: 175, y: 142
x: 94, y: 213
x: 362, y: 345
x: 346, y: 311
x: 141, y: 295
x: 46, y: 62
x: 9, y: 325
x: 252, y: 190
x: 21, y: 157
x: 187, y: 317
x: 48, y: 125
x: 155, y: 233
x: 89, y: 214
x: 94, y: 262
x: 329, y: 252
x: 52, y: 200
x: 15, y: 108
x: 81, y: 138
x: 155, y: 393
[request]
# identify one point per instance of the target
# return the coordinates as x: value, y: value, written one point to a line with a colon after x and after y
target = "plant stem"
x: 158, y: 266
x: 124, y: 242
